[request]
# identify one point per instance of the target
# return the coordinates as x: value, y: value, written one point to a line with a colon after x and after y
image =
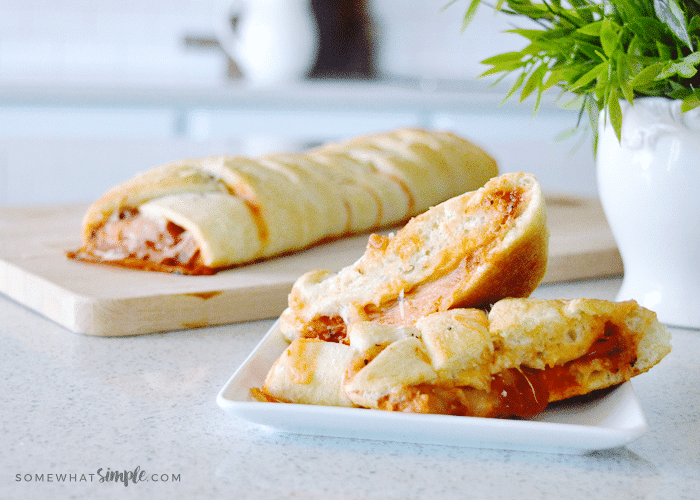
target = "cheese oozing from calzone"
x: 509, y: 362
x: 469, y: 251
x: 203, y: 215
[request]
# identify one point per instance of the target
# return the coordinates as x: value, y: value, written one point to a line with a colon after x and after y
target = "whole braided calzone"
x: 203, y: 215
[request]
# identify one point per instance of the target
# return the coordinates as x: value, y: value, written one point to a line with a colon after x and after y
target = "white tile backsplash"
x: 424, y: 38
x: 92, y: 122
x: 109, y: 41
x: 140, y: 42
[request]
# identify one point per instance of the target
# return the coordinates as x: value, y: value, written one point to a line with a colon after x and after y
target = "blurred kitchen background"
x: 92, y: 92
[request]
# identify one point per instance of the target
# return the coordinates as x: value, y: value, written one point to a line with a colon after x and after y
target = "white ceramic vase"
x: 649, y: 186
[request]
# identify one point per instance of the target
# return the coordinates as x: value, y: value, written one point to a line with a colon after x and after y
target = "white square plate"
x: 614, y: 419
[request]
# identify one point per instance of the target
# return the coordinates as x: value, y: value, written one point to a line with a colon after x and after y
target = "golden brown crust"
x: 524, y: 355
x: 309, y: 371
x: 287, y: 202
x: 581, y: 345
x: 469, y: 251
x: 174, y: 178
x: 413, y: 310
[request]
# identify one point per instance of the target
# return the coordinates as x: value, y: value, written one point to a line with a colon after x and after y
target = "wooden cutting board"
x: 110, y: 301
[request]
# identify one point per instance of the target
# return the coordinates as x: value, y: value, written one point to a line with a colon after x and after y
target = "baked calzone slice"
x: 469, y: 251
x: 203, y: 215
x: 509, y: 362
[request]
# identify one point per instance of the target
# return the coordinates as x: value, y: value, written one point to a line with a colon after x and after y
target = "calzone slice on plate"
x: 511, y: 361
x: 468, y: 251
x: 437, y: 319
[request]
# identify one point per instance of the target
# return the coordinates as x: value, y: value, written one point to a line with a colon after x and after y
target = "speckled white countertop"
x: 72, y: 405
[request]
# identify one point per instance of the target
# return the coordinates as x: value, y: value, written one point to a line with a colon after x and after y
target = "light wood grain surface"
x: 109, y: 301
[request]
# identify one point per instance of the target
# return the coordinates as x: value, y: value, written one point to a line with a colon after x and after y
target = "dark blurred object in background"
x: 346, y: 49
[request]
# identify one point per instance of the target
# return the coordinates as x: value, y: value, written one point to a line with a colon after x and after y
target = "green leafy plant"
x: 602, y: 51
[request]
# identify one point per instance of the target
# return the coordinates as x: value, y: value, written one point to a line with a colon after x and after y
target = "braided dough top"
x: 237, y: 209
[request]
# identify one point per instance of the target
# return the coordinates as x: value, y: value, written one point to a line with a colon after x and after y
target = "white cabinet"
x: 70, y: 145
x: 61, y: 154
x: 56, y: 121
x: 318, y: 124
x: 44, y: 171
x: 521, y: 143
